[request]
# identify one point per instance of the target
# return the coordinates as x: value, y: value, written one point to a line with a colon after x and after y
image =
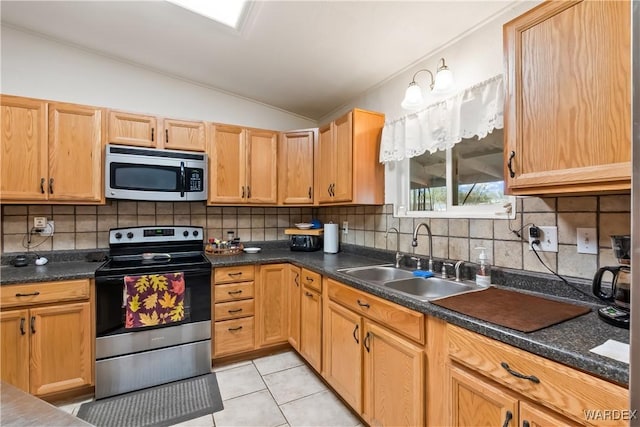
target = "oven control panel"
x: 153, y: 234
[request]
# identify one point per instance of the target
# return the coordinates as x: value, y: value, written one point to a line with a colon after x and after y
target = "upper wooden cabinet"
x: 568, y: 96
x: 347, y: 163
x: 152, y: 132
x: 51, y: 152
x: 295, y: 167
x: 23, y: 160
x: 242, y: 166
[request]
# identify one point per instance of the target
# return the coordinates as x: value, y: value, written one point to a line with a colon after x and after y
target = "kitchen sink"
x: 431, y: 288
x: 378, y: 273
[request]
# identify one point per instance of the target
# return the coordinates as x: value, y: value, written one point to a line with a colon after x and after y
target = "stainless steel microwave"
x: 135, y: 173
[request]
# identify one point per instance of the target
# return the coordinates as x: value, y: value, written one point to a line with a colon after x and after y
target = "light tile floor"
x: 272, y: 391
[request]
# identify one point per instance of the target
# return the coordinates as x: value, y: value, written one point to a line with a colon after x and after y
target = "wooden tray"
x: 227, y: 251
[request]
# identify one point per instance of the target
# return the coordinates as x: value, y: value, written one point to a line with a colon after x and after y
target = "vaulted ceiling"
x: 305, y: 57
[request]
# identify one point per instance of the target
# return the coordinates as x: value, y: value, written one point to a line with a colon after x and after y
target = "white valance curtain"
x: 475, y: 111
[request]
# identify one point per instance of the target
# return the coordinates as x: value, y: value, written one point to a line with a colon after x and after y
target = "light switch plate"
x: 48, y: 229
x: 39, y: 222
x: 587, y: 240
x: 548, y: 239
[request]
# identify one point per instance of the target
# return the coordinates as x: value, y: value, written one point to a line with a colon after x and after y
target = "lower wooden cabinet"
x: 311, y: 326
x: 47, y: 349
x: 294, y: 295
x: 272, y: 309
x: 377, y: 371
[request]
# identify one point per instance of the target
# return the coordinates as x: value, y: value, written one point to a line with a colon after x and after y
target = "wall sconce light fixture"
x: 442, y: 83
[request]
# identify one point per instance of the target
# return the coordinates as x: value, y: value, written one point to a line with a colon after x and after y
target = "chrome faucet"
x: 414, y: 243
x: 398, y: 254
x: 444, y: 269
x: 458, y: 265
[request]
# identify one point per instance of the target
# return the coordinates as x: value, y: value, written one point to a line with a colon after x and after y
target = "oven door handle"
x: 183, y: 179
x: 156, y: 256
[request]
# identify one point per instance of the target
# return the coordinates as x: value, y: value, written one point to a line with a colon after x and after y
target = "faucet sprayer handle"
x: 444, y: 269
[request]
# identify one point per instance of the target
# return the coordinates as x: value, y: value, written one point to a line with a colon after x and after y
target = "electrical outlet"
x: 48, y: 229
x: 39, y: 222
x: 587, y: 240
x: 548, y: 237
x: 345, y: 227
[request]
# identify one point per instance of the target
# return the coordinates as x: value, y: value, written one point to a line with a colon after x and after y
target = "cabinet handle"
x: 50, y: 185
x: 243, y: 191
x: 525, y: 423
x: 507, y: 419
x: 512, y: 174
x: 22, y: 331
x: 42, y: 180
x: 297, y: 279
x: 239, y: 273
x: 355, y: 331
x: 308, y: 279
x: 33, y: 324
x: 166, y: 136
x: 152, y: 130
x: 248, y: 192
x: 309, y: 192
x: 235, y: 292
x: 234, y: 329
x: 329, y: 190
x: 366, y: 342
x: 363, y: 304
x: 32, y: 294
x: 309, y: 294
x: 238, y: 310
x: 531, y: 378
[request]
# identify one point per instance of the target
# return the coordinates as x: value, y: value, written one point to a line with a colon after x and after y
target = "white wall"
x: 36, y: 67
x: 472, y: 59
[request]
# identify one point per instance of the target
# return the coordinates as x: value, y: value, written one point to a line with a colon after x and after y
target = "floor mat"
x: 163, y: 405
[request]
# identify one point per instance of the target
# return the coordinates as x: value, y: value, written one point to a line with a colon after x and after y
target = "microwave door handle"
x: 183, y: 179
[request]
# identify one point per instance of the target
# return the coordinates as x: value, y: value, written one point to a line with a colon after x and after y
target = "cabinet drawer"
x: 402, y: 320
x: 233, y: 309
x: 241, y: 273
x: 42, y: 293
x: 311, y: 279
x: 233, y: 336
x: 233, y: 291
x: 559, y: 387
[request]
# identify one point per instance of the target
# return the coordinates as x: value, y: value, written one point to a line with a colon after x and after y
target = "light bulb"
x: 444, y: 81
x: 412, y: 97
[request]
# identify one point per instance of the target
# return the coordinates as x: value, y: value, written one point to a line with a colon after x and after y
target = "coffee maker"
x: 619, y: 290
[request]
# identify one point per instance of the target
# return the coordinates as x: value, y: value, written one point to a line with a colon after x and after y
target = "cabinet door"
x: 295, y: 161
x: 14, y: 367
x: 272, y: 311
x: 60, y: 348
x: 294, y: 306
x: 325, y: 165
x: 532, y: 415
x: 343, y: 184
x: 393, y: 379
x: 262, y: 164
x: 568, y: 96
x: 343, y: 353
x: 311, y: 327
x: 76, y: 138
x: 476, y: 402
x: 184, y: 135
x: 23, y: 156
x: 227, y: 165
x: 132, y: 129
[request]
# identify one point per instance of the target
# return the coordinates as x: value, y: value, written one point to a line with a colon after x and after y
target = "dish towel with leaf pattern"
x: 153, y: 299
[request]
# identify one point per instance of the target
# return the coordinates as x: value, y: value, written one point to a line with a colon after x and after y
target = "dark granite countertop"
x: 568, y: 342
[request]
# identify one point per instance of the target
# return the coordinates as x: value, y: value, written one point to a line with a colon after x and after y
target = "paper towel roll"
x: 330, y: 238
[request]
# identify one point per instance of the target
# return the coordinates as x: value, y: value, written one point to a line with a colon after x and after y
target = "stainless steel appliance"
x: 132, y: 358
x: 619, y: 290
x: 305, y: 243
x: 158, y: 175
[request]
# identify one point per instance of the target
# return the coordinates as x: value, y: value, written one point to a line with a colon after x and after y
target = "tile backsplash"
x: 86, y: 227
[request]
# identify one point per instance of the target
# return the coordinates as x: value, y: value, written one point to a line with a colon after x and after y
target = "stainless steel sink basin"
x: 377, y: 273
x: 433, y: 287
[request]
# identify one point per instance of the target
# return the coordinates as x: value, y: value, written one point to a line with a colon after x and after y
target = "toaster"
x: 304, y: 243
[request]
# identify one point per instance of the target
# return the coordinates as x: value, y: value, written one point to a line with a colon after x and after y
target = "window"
x: 465, y: 181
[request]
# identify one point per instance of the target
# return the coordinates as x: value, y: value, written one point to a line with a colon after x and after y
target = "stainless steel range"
x: 153, y: 309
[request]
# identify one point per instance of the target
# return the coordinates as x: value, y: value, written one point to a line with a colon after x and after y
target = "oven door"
x: 110, y: 310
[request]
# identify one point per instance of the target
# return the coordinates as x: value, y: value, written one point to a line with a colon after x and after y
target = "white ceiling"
x: 305, y: 57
